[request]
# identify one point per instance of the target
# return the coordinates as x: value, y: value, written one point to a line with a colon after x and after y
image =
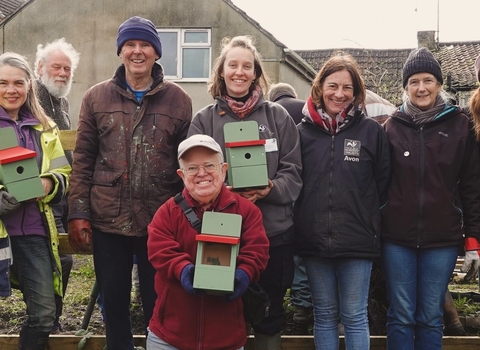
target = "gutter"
x: 299, y: 64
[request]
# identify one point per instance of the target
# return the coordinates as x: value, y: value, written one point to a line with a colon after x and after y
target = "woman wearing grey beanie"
x: 433, y: 202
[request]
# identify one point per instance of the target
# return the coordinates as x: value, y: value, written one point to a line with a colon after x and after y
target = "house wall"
x: 91, y: 27
x: 302, y: 87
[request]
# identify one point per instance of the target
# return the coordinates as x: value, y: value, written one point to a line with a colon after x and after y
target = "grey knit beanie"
x: 281, y: 89
x: 421, y: 61
x: 477, y: 67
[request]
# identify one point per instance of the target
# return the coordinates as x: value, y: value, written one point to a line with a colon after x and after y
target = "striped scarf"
x: 242, y: 109
x: 324, y: 121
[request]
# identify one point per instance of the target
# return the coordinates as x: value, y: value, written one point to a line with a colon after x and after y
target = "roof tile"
x: 382, y: 69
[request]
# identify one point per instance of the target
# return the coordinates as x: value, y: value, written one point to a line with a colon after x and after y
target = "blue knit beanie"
x: 138, y: 28
x: 421, y: 61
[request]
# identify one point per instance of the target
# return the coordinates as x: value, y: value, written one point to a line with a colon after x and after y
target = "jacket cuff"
x: 472, y: 243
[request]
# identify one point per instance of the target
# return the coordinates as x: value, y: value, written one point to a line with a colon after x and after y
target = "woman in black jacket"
x: 433, y: 201
x: 345, y: 175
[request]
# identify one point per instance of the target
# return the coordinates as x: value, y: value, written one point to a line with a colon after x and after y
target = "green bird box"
x: 218, y: 245
x: 18, y: 168
x: 245, y: 154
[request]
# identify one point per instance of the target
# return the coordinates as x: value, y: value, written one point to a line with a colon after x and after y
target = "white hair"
x: 57, y: 45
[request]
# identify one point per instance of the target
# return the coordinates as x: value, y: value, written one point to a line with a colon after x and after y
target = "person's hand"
x: 265, y: 191
x: 80, y: 235
x: 470, y: 265
x: 472, y: 258
x: 47, y: 184
x: 186, y: 279
x: 8, y: 203
x: 242, y: 281
x: 251, y: 195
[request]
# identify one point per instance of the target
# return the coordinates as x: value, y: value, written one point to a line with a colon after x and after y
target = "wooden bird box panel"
x: 8, y: 138
x: 18, y: 168
x: 217, y: 252
x: 245, y: 155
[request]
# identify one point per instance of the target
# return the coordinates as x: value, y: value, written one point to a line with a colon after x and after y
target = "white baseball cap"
x: 198, y: 140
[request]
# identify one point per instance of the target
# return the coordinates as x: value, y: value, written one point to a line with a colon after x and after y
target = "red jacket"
x: 208, y: 322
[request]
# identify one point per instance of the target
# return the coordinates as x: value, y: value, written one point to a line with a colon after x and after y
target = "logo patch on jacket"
x: 351, y: 150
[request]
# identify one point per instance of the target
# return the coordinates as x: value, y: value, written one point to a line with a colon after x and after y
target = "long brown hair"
x: 216, y: 84
x: 340, y: 61
x: 13, y: 59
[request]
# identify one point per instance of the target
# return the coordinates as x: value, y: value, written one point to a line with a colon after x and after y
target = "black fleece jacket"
x: 434, y: 195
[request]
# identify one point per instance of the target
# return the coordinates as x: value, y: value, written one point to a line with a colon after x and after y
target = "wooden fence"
x: 97, y: 342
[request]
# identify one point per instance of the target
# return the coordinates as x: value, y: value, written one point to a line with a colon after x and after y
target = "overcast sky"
x: 371, y: 24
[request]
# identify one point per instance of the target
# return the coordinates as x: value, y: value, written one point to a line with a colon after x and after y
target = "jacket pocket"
x: 161, y: 188
x: 106, y: 194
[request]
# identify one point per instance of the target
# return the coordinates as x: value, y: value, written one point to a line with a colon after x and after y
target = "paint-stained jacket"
x: 125, y: 156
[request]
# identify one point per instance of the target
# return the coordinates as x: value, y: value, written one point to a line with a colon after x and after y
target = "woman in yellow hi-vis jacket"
x: 29, y: 226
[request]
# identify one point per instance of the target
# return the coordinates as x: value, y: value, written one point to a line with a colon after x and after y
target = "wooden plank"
x: 67, y: 342
x: 97, y: 342
x: 67, y: 137
x: 64, y: 245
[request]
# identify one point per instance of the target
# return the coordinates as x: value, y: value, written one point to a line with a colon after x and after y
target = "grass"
x: 82, y: 278
x: 465, y: 306
x: 77, y: 297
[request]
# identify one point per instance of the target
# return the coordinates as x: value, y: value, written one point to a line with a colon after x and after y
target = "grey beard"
x: 55, y: 89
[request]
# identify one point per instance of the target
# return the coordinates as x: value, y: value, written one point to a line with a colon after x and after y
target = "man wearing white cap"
x: 185, y: 317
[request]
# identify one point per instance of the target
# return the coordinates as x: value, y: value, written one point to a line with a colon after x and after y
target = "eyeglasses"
x: 194, y: 169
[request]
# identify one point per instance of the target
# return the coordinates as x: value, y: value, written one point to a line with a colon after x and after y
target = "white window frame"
x: 183, y: 45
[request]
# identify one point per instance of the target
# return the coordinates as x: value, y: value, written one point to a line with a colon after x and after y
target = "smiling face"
x: 422, y: 90
x: 238, y: 71
x: 14, y: 88
x: 337, y: 92
x: 138, y: 57
x: 204, y: 187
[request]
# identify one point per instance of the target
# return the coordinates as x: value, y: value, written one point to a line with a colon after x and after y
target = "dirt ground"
x: 12, y: 309
x: 77, y: 297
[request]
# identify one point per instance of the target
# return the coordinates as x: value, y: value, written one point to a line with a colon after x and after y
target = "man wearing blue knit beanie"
x: 125, y: 165
x: 141, y: 29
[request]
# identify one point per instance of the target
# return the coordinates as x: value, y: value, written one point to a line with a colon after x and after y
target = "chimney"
x: 426, y: 38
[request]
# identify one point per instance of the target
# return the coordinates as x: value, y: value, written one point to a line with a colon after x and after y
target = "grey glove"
x: 8, y: 203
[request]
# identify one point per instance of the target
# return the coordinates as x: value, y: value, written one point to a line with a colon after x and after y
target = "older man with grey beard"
x: 54, y: 67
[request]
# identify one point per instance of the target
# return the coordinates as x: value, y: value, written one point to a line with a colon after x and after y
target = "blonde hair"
x: 216, y: 84
x: 474, y: 105
x: 340, y: 61
x: 13, y: 59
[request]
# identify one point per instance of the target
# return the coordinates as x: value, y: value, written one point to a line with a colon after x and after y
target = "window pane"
x: 196, y: 37
x: 169, y: 52
x: 195, y: 63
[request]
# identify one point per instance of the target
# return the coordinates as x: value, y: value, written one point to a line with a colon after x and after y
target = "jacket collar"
x: 225, y: 198
x: 157, y: 75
